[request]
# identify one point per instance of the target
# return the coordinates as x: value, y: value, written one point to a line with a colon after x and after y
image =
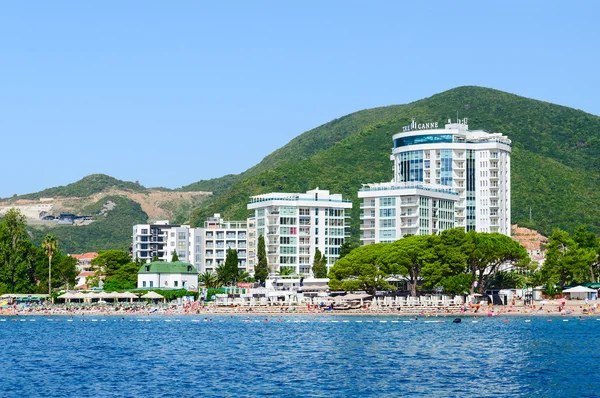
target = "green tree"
x: 125, y: 277
x: 489, y: 252
x: 590, y: 242
x: 565, y: 260
x: 228, y: 272
x: 50, y: 246
x: 319, y: 267
x: 174, y: 257
x: 108, y: 262
x: 155, y: 258
x: 244, y: 276
x: 12, y: 235
x: 363, y: 269
x: 412, y: 254
x: 209, y: 279
x: 66, y: 271
x: 449, y: 262
x: 286, y: 271
x: 507, y: 280
x: 457, y: 284
x: 261, y: 270
x: 346, y: 248
x: 116, y: 269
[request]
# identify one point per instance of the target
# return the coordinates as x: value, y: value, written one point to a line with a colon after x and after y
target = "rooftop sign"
x: 420, y: 126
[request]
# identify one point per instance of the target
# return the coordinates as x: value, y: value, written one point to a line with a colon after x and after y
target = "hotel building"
x: 393, y: 210
x: 205, y: 248
x: 216, y: 238
x: 294, y: 225
x: 159, y: 240
x: 471, y: 167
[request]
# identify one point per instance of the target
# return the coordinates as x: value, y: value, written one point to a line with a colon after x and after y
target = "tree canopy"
x: 451, y: 260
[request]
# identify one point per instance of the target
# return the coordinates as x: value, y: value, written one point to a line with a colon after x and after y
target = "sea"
x: 299, y: 356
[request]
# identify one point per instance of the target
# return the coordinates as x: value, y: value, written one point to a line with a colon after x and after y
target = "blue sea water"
x: 298, y: 357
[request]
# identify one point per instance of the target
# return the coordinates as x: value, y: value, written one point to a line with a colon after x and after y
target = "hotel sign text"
x: 420, y: 126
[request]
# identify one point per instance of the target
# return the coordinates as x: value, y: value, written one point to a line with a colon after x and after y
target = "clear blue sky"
x: 168, y: 93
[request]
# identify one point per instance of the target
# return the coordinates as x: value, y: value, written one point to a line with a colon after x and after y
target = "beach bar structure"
x: 582, y: 293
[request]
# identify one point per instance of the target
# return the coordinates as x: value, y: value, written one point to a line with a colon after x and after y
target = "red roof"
x: 86, y: 273
x: 90, y: 255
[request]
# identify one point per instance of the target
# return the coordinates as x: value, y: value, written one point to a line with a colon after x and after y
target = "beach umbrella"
x: 152, y: 295
x: 129, y: 295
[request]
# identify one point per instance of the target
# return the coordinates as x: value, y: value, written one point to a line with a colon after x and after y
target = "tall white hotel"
x: 443, y: 178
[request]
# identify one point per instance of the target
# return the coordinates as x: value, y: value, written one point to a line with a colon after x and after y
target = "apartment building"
x: 294, y: 225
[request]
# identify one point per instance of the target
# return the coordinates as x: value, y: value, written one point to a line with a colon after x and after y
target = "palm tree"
x: 208, y: 279
x: 287, y: 271
x: 244, y: 276
x: 50, y: 246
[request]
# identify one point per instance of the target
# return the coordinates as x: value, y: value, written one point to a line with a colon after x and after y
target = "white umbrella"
x: 152, y: 295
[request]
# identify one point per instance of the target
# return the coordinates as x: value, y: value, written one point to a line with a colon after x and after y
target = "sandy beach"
x: 551, y: 308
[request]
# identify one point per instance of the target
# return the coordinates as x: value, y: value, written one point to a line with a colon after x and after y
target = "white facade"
x: 216, y: 238
x: 205, y: 248
x: 475, y: 164
x: 150, y: 240
x: 294, y: 225
x: 393, y: 210
x: 169, y: 281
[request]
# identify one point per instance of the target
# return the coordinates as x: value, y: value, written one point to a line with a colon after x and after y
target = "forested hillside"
x: 555, y: 167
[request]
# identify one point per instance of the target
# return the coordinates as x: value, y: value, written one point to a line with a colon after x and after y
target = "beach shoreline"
x: 571, y: 309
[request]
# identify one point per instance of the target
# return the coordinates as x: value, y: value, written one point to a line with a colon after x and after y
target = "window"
x: 181, y: 235
x: 144, y: 231
x: 422, y: 139
x: 151, y: 283
x: 387, y: 202
x: 387, y: 212
x: 143, y: 283
x: 147, y: 268
x: 175, y: 284
x: 387, y: 234
x: 391, y: 223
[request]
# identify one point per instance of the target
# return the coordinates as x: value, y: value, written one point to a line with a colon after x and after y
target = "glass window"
x: 388, y: 223
x: 387, y: 202
x: 422, y: 139
x: 387, y: 212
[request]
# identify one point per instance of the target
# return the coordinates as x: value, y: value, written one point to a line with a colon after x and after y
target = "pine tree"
x: 228, y: 273
x: 175, y: 257
x: 346, y: 248
x: 319, y: 267
x: 261, y: 270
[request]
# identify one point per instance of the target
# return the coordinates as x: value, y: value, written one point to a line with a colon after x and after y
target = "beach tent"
x: 582, y: 293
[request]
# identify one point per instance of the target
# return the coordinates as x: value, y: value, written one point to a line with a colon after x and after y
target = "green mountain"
x: 94, y: 183
x: 555, y: 163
